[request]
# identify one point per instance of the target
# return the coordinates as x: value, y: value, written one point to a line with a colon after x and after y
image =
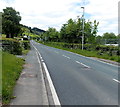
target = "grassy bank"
x: 11, y: 69
x: 90, y: 53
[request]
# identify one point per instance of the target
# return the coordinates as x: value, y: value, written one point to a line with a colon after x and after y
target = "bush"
x: 25, y: 45
x: 11, y: 46
x: 102, y: 49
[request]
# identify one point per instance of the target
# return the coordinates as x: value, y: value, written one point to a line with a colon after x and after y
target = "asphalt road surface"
x: 80, y: 80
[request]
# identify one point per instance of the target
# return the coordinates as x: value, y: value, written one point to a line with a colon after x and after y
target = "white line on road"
x: 56, y: 52
x: 44, y: 88
x: 93, y: 59
x: 116, y: 80
x: 78, y: 62
x: 54, y: 93
x: 66, y: 56
x: 83, y: 64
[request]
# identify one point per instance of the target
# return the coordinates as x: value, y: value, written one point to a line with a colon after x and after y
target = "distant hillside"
x: 34, y: 30
x: 37, y: 31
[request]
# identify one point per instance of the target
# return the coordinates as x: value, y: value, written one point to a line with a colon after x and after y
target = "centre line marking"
x: 116, y: 80
x: 56, y: 52
x: 78, y: 62
x: 66, y: 56
x: 83, y: 64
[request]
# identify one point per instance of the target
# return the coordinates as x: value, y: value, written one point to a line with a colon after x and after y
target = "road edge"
x: 47, y: 76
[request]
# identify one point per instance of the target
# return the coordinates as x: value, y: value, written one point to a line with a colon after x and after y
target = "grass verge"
x: 85, y: 52
x: 11, y: 69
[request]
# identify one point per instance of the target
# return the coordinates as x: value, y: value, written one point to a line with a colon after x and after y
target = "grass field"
x: 11, y: 69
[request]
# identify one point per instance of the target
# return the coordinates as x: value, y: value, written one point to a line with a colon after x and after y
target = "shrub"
x: 12, y: 46
x: 25, y: 45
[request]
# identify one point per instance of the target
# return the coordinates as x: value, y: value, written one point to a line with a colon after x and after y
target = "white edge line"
x: 54, y: 93
x: 116, y: 80
x: 44, y: 87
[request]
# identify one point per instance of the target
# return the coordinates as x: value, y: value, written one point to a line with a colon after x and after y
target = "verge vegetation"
x: 11, y: 69
x: 99, y: 51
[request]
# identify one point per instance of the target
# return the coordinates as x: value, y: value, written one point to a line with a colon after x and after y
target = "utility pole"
x: 83, y: 28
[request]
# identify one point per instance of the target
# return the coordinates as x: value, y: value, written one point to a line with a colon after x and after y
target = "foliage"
x: 25, y: 45
x: 51, y: 35
x: 108, y: 38
x: 11, y: 45
x: 11, y: 68
x: 91, y: 50
x: 37, y: 31
x: 71, y: 32
x: 10, y: 22
x: 14, y: 46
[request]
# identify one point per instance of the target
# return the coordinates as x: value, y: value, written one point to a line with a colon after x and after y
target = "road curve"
x: 80, y: 80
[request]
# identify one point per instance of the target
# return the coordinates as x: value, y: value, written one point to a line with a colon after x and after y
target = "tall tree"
x: 110, y: 38
x: 10, y: 22
x: 109, y: 35
x: 51, y: 35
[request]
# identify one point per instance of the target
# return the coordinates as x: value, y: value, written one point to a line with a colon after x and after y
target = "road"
x: 80, y: 80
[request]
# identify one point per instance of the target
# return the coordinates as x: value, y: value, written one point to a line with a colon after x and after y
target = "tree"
x: 91, y: 30
x: 10, y: 22
x: 110, y: 38
x: 71, y: 31
x: 51, y: 35
x: 63, y: 33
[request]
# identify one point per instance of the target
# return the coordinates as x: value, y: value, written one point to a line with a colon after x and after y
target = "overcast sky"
x: 54, y: 13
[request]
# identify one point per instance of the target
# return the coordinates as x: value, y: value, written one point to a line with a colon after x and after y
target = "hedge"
x: 110, y: 50
x: 13, y: 46
x: 25, y: 45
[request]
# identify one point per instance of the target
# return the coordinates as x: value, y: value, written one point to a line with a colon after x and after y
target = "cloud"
x: 106, y: 12
x: 54, y: 13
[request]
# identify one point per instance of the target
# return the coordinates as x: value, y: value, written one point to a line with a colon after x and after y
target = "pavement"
x: 30, y: 89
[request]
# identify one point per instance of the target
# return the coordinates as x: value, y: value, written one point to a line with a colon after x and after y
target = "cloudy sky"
x: 54, y: 13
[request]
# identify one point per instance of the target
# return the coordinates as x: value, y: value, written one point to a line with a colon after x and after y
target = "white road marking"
x: 66, y: 56
x: 93, y: 59
x: 44, y: 87
x: 116, y: 80
x: 54, y: 93
x: 83, y: 64
x: 78, y: 62
x: 56, y: 52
